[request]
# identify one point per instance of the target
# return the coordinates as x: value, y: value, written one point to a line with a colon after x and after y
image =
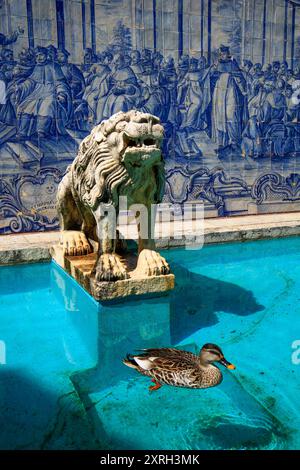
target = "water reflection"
x: 80, y: 310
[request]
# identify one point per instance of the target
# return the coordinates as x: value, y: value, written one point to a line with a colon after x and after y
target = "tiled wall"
x: 223, y: 76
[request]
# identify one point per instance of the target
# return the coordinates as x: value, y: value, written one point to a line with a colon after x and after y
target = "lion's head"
x: 117, y: 158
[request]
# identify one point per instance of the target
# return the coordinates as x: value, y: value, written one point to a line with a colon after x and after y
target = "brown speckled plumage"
x: 178, y: 368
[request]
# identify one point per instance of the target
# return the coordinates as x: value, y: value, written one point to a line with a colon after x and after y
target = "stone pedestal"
x: 80, y: 268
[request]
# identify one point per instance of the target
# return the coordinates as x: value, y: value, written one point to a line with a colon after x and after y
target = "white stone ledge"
x: 34, y: 247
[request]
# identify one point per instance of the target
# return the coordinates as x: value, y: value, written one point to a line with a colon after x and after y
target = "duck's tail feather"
x: 130, y: 362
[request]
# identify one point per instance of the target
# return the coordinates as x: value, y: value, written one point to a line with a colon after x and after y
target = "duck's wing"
x: 168, y: 352
x: 168, y: 359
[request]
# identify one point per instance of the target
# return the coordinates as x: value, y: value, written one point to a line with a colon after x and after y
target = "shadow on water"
x: 35, y: 417
x: 238, y: 433
x: 197, y: 299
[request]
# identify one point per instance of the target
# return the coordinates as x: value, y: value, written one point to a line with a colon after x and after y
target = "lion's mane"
x: 97, y: 176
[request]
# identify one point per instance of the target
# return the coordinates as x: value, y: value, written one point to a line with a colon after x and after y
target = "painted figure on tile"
x: 7, y: 107
x: 7, y: 114
x: 158, y: 101
x: 72, y: 73
x: 2, y: 92
x: 51, y: 53
x: 6, y: 40
x: 7, y: 64
x: 183, y: 67
x: 282, y: 74
x: 290, y: 77
x: 268, y: 71
x: 144, y: 79
x: 89, y: 59
x: 146, y: 59
x: 74, y: 77
x: 9, y: 75
x: 274, y: 73
x: 292, y: 122
x: 257, y: 75
x: 44, y: 103
x: 124, y: 93
x: 197, y: 97
x: 247, y: 68
x: 229, y: 112
x: 252, y: 134
x: 136, y: 64
x: 26, y: 63
x: 272, y: 115
x: 168, y: 77
x: 182, y: 86
x: 273, y: 109
x: 296, y: 73
x: 97, y: 85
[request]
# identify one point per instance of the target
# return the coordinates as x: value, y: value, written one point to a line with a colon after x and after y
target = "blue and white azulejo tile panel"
x: 222, y: 75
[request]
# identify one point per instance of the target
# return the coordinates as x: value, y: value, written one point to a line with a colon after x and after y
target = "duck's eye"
x: 215, y: 353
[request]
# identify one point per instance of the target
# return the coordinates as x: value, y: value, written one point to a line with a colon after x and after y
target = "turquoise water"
x: 63, y: 386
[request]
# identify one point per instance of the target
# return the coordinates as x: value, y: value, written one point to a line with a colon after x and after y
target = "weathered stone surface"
x: 120, y: 158
x: 80, y: 268
x: 221, y: 230
x: 24, y: 255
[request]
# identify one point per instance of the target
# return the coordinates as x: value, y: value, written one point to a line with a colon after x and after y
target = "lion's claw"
x: 110, y: 268
x: 151, y: 263
x: 75, y: 243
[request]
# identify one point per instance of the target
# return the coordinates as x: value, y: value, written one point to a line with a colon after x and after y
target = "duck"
x: 171, y: 366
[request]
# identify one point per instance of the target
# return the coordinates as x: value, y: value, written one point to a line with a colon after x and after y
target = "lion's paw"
x: 110, y: 268
x: 75, y: 243
x: 151, y: 263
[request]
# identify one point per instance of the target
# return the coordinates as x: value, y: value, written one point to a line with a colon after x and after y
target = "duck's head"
x: 212, y: 353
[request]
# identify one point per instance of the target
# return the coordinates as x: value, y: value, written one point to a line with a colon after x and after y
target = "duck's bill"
x: 227, y: 364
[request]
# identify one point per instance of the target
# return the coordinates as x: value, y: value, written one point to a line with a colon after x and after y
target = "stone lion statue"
x: 120, y: 157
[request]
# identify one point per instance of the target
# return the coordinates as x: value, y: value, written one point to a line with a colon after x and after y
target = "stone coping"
x: 35, y: 247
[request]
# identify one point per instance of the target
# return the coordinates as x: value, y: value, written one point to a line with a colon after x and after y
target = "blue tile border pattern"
x: 223, y: 76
